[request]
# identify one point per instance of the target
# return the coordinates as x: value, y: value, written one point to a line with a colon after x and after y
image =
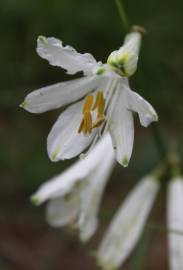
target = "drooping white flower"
x: 106, y: 102
x: 74, y: 195
x: 127, y: 225
x: 175, y: 223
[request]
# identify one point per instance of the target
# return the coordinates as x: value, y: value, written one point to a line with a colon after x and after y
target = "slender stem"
x: 122, y: 14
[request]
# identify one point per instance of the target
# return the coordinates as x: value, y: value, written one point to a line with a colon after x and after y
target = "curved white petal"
x: 63, y: 183
x: 144, y: 109
x: 83, y: 200
x: 175, y: 223
x: 127, y: 225
x: 64, y: 141
x: 66, y: 57
x: 122, y: 131
x: 63, y: 210
x: 92, y: 194
x: 60, y: 94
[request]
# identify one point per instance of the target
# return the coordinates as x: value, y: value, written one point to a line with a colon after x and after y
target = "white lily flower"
x: 106, y: 102
x: 175, y: 223
x: 74, y: 195
x: 127, y: 225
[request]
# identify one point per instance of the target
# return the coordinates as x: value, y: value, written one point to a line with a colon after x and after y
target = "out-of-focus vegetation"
x: 89, y: 26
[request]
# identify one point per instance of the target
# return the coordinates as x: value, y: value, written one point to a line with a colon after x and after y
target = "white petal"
x: 137, y: 104
x: 64, y: 182
x: 66, y: 57
x: 83, y: 200
x: 132, y: 44
x: 64, y: 141
x: 92, y: 194
x: 124, y: 60
x: 63, y: 210
x: 127, y: 225
x: 122, y: 131
x: 60, y: 94
x: 175, y: 222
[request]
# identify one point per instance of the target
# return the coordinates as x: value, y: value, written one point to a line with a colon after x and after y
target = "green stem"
x: 122, y: 14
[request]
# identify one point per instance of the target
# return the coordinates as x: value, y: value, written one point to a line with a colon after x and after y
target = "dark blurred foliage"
x: 26, y: 242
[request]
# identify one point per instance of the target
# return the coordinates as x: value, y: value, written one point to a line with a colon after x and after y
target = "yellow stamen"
x: 96, y: 101
x: 100, y: 109
x: 101, y: 104
x: 88, y: 104
x: 80, y: 129
x: 86, y: 124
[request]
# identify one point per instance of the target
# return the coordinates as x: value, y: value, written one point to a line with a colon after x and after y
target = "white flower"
x: 74, y: 195
x: 127, y: 225
x: 106, y: 102
x: 175, y: 223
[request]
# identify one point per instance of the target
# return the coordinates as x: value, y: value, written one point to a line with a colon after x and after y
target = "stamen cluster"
x: 87, y: 123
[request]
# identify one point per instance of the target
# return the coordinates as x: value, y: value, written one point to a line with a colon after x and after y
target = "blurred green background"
x: 26, y: 241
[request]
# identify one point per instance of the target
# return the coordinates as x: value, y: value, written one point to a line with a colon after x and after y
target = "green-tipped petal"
x: 23, y: 105
x: 60, y: 94
x: 35, y: 200
x: 122, y: 131
x: 127, y: 225
x: 65, y: 57
x: 64, y: 141
x: 136, y: 103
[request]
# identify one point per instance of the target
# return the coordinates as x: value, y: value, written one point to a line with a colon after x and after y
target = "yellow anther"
x: 88, y: 122
x: 96, y: 101
x: 86, y: 125
x: 88, y: 104
x: 101, y: 104
x: 80, y: 129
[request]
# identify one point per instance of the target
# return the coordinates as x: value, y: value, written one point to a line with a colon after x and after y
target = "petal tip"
x: 41, y: 39
x: 156, y: 118
x: 23, y: 105
x: 104, y: 265
x: 125, y: 161
x: 35, y: 200
x: 54, y: 155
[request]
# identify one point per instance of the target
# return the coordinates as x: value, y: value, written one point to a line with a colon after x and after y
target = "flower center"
x: 87, y: 123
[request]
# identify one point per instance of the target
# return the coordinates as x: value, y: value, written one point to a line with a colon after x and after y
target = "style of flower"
x: 127, y: 225
x: 102, y: 100
x: 175, y: 223
x: 74, y: 195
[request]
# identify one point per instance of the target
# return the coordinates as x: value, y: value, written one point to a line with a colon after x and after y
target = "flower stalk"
x: 122, y: 14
